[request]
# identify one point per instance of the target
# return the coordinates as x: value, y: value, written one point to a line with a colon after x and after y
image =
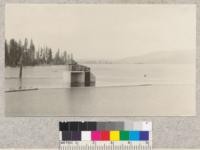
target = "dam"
x: 80, y: 76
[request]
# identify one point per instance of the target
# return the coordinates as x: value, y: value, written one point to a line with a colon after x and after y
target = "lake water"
x: 106, y: 75
x: 121, y: 89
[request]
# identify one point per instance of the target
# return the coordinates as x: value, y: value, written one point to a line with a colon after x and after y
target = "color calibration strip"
x: 105, y: 135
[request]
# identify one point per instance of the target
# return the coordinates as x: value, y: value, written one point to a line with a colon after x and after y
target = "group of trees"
x: 16, y: 50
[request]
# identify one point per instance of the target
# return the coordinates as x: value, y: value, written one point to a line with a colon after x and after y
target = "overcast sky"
x: 102, y: 31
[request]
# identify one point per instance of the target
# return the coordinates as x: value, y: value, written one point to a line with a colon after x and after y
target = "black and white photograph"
x: 100, y: 60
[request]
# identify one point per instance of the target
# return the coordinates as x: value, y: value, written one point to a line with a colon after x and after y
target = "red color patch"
x: 105, y: 135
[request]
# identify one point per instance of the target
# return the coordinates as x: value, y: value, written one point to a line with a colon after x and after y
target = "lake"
x: 121, y: 90
x: 106, y: 75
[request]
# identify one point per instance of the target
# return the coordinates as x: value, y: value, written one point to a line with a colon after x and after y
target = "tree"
x: 37, y: 57
x: 49, y: 54
x: 65, y: 57
x: 7, y: 59
x: 57, y: 57
x: 31, y: 52
x: 17, y: 53
x: 25, y: 54
x: 13, y: 52
x: 20, y: 50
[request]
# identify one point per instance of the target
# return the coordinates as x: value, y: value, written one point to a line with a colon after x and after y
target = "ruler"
x: 105, y: 135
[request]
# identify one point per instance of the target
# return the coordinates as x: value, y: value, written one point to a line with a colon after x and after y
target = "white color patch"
x: 147, y: 126
x: 86, y: 135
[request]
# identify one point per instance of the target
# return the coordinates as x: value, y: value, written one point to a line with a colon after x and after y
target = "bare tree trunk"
x: 21, y: 65
x: 20, y: 71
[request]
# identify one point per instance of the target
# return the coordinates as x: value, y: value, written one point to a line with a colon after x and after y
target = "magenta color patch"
x: 96, y: 135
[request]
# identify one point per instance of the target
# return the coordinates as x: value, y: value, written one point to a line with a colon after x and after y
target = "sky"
x: 104, y: 31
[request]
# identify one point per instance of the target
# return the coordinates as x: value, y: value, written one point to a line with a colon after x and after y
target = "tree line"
x: 16, y: 50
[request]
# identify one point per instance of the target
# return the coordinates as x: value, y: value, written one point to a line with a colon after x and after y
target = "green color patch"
x: 124, y: 135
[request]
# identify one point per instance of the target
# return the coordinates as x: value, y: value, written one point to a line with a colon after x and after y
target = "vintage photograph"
x: 100, y: 60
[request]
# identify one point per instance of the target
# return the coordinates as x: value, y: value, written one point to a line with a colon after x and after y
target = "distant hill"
x: 167, y: 57
x: 92, y: 61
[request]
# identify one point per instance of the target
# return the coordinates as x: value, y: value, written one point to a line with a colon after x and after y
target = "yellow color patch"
x: 114, y: 135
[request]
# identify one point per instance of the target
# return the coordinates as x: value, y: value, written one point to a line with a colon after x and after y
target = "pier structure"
x: 81, y: 75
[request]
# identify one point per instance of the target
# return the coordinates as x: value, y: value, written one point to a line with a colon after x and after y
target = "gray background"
x: 42, y: 132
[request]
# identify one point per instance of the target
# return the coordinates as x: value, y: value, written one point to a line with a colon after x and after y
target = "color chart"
x: 105, y: 135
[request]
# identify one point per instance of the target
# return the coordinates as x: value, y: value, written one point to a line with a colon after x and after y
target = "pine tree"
x: 38, y: 57
x: 32, y: 52
x: 49, y: 60
x: 57, y: 57
x: 26, y: 56
x: 64, y: 57
x: 13, y: 52
x: 7, y: 59
x: 19, y: 51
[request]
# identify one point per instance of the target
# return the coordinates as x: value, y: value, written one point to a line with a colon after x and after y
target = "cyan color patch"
x: 134, y: 135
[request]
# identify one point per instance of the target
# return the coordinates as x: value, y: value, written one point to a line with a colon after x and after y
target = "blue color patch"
x: 144, y: 135
x: 134, y: 135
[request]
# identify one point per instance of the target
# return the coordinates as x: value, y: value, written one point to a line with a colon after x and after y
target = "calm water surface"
x: 121, y: 90
x: 106, y: 75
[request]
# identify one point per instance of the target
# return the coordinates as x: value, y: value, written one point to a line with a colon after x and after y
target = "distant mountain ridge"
x: 159, y: 57
x: 166, y: 57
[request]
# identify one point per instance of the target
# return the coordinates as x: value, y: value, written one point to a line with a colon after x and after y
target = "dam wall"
x: 80, y: 75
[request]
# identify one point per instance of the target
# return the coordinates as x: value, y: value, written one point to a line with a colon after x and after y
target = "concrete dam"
x: 81, y: 76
